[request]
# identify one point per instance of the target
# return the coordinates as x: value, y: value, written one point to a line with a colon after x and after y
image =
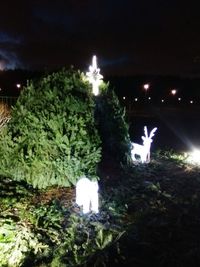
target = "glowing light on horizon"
x: 2, y: 67
x: 94, y: 76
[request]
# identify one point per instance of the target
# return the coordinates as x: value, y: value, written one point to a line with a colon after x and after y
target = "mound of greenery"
x: 51, y: 138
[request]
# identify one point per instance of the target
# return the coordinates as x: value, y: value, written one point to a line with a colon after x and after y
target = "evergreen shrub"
x: 51, y: 138
x: 112, y: 127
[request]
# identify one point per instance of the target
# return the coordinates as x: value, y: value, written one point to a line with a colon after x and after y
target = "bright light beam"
x: 194, y: 156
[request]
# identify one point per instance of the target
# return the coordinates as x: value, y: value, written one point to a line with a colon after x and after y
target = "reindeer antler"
x: 152, y: 132
x: 145, y: 131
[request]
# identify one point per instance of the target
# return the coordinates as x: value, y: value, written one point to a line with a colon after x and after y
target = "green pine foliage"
x: 112, y: 126
x: 51, y: 138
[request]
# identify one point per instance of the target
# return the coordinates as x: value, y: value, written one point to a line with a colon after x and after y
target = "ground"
x: 162, y: 212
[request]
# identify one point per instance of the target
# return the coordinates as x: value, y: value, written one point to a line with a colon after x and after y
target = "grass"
x: 150, y: 216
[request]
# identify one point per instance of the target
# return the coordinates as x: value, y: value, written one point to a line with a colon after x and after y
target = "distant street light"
x: 146, y: 86
x: 18, y: 85
x: 173, y: 91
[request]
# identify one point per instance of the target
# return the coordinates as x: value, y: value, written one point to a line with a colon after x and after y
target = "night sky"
x: 128, y: 37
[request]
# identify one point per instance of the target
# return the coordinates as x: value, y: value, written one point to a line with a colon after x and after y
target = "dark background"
x: 128, y: 37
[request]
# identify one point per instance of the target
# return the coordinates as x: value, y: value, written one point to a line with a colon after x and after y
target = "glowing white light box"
x: 87, y: 195
x: 143, y: 151
x: 94, y: 76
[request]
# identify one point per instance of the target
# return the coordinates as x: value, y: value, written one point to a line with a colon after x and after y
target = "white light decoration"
x: 124, y: 97
x: 162, y: 100
x: 87, y: 195
x: 191, y: 101
x: 179, y: 99
x: 143, y: 151
x: 136, y: 99
x: 94, y: 76
x: 149, y: 98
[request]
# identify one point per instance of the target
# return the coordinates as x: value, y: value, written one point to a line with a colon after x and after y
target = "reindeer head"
x: 147, y: 140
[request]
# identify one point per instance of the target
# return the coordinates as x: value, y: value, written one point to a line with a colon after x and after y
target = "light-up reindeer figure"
x: 87, y: 195
x: 143, y: 150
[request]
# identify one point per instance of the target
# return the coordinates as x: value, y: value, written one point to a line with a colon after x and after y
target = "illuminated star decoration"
x: 94, y: 76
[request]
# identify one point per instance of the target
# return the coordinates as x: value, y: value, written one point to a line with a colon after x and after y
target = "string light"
x: 136, y: 99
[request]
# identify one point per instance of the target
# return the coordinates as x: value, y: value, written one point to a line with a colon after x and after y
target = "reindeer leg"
x: 148, y: 157
x: 133, y: 156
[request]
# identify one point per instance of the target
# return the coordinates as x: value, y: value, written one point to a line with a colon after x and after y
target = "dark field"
x: 178, y: 129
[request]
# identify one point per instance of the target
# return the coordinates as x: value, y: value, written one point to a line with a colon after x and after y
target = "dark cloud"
x: 128, y: 36
x: 8, y: 51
